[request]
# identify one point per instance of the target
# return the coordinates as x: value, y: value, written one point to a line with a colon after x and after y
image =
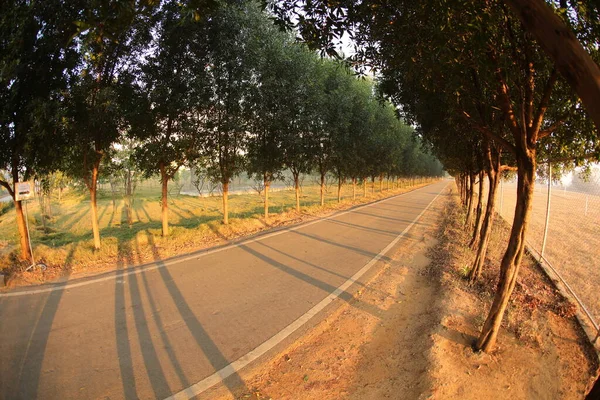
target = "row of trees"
x: 124, y: 86
x: 492, y: 86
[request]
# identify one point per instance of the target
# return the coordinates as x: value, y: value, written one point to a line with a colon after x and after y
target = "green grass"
x: 195, y: 222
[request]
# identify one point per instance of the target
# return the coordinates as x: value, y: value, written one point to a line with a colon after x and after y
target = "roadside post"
x: 24, y: 191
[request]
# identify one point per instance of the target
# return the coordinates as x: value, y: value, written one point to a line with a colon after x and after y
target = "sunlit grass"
x: 66, y: 244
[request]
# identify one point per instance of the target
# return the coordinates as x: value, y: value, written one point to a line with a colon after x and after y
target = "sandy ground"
x: 417, y: 345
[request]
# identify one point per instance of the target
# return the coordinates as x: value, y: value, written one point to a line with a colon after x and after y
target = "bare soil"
x: 542, y: 352
x: 417, y: 344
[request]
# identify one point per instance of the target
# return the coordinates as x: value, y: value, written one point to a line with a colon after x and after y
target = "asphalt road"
x: 154, y: 331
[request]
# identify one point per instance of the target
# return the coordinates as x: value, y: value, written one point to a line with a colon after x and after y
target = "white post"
x: 547, y: 210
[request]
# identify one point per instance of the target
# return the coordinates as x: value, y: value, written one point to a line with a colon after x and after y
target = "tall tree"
x: 231, y: 74
x: 111, y: 36
x: 172, y: 90
x: 36, y: 65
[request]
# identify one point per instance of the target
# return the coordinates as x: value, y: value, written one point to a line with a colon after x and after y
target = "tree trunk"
x: 479, y: 213
x: 267, y: 184
x: 470, y: 195
x: 93, y: 186
x: 594, y: 393
x: 560, y: 43
x: 388, y: 183
x: 364, y: 188
x: 339, y: 191
x: 23, y: 233
x: 128, y: 198
x: 509, y: 267
x: 164, y: 180
x: 372, y: 185
x: 322, y: 189
x: 380, y: 183
x: 225, y: 202
x: 488, y: 220
x: 297, y: 190
x: 353, y: 188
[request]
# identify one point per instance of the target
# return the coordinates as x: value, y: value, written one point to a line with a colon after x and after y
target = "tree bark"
x: 267, y: 184
x: 594, y: 393
x: 164, y: 180
x: 478, y: 214
x: 562, y: 46
x: 380, y: 183
x: 128, y: 198
x: 353, y: 188
x: 23, y: 234
x: 322, y: 189
x: 225, y: 202
x: 470, y: 194
x: 509, y: 267
x: 339, y: 191
x: 488, y: 220
x: 93, y: 187
x: 297, y: 190
x: 372, y: 185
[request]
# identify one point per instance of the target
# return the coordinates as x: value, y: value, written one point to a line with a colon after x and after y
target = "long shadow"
x: 326, y: 287
x: 384, y: 217
x: 203, y: 340
x: 139, y: 205
x: 343, y: 246
x: 102, y: 213
x: 185, y: 210
x: 155, y: 373
x: 121, y: 328
x: 28, y: 379
x: 157, y: 318
x: 316, y: 266
x: 403, y: 206
x: 112, y: 215
x: 74, y: 219
x: 363, y: 228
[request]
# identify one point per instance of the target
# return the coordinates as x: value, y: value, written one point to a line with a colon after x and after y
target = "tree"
x: 414, y: 44
x: 36, y: 65
x: 111, y: 36
x: 276, y: 73
x: 230, y: 74
x: 171, y: 90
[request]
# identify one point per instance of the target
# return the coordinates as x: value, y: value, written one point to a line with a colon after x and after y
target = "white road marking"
x: 166, y: 263
x: 246, y: 359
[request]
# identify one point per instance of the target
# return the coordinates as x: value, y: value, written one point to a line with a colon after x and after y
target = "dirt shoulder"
x: 356, y: 353
x: 541, y: 353
x: 418, y: 345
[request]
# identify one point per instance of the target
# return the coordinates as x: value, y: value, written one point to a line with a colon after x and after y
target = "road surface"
x: 176, y: 327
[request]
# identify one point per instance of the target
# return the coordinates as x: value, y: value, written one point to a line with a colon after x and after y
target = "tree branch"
x: 532, y: 135
x: 505, y: 102
x: 548, y: 131
x: 491, y: 135
x: 560, y: 43
x: 7, y: 187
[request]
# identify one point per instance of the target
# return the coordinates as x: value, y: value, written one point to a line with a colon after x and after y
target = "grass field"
x: 573, y: 241
x: 66, y: 245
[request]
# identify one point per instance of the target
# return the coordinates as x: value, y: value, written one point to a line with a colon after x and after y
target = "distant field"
x: 573, y: 243
x: 195, y: 223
